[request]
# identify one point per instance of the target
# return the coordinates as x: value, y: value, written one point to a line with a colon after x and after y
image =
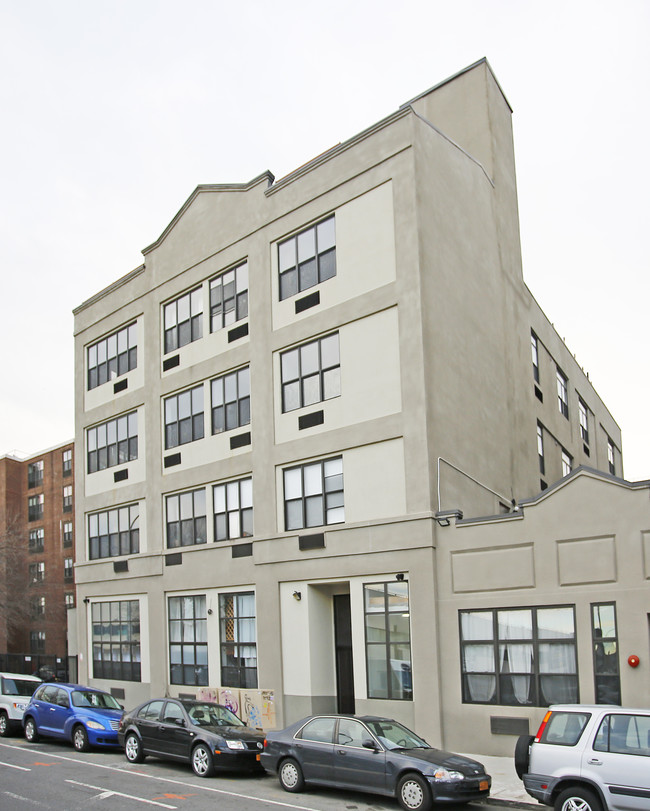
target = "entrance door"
x: 343, y: 644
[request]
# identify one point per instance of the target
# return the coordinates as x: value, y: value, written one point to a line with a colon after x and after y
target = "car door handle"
x: 341, y: 752
x: 595, y: 762
x: 52, y: 709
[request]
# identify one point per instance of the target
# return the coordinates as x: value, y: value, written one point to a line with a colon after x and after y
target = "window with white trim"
x: 229, y: 297
x: 311, y: 373
x: 188, y: 640
x: 313, y: 494
x: 113, y: 356
x: 563, y: 393
x: 114, y: 532
x: 183, y: 320
x: 307, y: 258
x: 116, y: 640
x: 111, y: 443
x: 186, y: 518
x: 233, y: 509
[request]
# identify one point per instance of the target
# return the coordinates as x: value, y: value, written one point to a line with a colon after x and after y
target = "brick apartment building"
x: 36, y: 554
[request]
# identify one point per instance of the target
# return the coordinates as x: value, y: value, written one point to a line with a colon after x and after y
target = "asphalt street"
x: 54, y: 776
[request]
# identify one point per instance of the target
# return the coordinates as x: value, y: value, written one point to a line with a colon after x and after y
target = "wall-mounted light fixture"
x: 399, y: 576
x: 297, y: 596
x: 86, y: 600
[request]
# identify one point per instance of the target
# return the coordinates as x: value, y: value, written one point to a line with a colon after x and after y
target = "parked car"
x: 72, y: 712
x: 15, y: 692
x: 372, y: 754
x: 588, y: 758
x: 208, y: 736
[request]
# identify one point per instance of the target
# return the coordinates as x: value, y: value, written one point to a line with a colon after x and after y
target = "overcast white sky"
x: 112, y: 112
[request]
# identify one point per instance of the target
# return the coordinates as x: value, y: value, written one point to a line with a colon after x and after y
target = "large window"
x: 231, y: 401
x: 35, y: 474
x: 388, y: 640
x: 311, y: 373
x: 519, y: 656
x: 307, y: 259
x: 35, y: 507
x: 116, y: 640
x: 113, y: 443
x: 238, y: 640
x: 113, y: 356
x: 36, y: 540
x: 563, y: 393
x: 233, y: 510
x: 183, y: 320
x: 114, y: 532
x: 184, y: 417
x: 186, y: 521
x: 188, y: 640
x: 605, y: 645
x: 313, y: 494
x: 229, y: 297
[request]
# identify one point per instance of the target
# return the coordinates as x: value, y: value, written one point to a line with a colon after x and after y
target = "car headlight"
x: 94, y: 725
x: 235, y: 745
x: 445, y: 774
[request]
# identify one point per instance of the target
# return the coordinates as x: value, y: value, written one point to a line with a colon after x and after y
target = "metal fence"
x: 49, y: 668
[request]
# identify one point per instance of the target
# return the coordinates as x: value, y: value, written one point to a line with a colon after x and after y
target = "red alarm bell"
x: 633, y: 661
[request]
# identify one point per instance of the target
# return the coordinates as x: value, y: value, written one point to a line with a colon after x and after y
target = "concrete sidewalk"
x: 506, y: 785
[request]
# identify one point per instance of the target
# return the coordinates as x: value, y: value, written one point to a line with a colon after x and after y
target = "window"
x: 307, y: 259
x: 605, y: 646
x: 35, y: 474
x: 183, y: 320
x: 186, y: 521
x: 67, y: 498
x: 625, y: 734
x: 231, y: 401
x: 37, y: 607
x: 184, y: 417
x: 67, y: 533
x: 229, y: 297
x: 611, y: 463
x: 188, y: 640
x: 311, y: 373
x: 238, y: 640
x: 37, y: 641
x: 113, y: 443
x: 36, y: 540
x: 114, y: 532
x: 67, y: 462
x: 313, y: 494
x: 113, y: 356
x: 36, y: 572
x: 319, y: 729
x: 388, y: 640
x: 35, y: 507
x: 563, y: 393
x: 68, y: 568
x: 519, y: 657
x: 116, y: 640
x: 583, y: 415
x: 534, y: 348
x: 567, y: 463
x: 540, y: 448
x: 69, y: 599
x: 233, y: 510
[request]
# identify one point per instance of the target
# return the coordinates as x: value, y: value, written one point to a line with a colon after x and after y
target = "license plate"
x: 483, y: 785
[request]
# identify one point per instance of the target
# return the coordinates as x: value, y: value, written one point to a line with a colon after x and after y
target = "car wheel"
x: 290, y: 776
x: 577, y: 799
x: 4, y: 725
x: 522, y: 754
x: 31, y: 733
x: 202, y: 761
x: 80, y: 739
x: 133, y: 748
x: 413, y: 793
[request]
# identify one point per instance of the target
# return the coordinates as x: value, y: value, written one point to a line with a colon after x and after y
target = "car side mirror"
x: 180, y: 722
x: 370, y: 744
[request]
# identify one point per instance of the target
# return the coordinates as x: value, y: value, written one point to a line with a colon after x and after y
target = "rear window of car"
x: 565, y: 728
x: 18, y: 687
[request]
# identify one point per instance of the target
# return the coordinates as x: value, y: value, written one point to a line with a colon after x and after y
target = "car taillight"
x: 542, y: 725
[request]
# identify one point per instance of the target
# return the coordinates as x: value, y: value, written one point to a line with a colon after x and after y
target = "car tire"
x: 4, y: 725
x: 577, y: 799
x: 413, y: 793
x: 80, y: 738
x: 290, y: 776
x: 133, y: 748
x: 31, y: 732
x: 522, y: 754
x: 202, y: 763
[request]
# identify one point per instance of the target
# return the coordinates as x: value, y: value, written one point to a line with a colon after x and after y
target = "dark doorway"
x: 343, y: 644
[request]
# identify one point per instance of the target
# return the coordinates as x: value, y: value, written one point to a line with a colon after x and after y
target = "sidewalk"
x: 506, y: 785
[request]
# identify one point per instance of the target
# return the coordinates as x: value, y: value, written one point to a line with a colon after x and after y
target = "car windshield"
x: 213, y: 715
x: 96, y: 700
x: 18, y: 687
x: 394, y: 736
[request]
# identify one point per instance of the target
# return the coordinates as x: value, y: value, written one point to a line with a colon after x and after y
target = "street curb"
x: 512, y: 803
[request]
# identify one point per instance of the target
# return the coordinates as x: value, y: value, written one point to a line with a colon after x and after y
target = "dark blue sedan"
x: 71, y: 712
x: 372, y: 754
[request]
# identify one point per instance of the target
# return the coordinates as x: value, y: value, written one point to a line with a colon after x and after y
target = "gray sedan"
x: 371, y: 754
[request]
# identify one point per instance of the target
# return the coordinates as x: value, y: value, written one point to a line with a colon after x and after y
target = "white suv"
x: 588, y: 758
x: 15, y: 692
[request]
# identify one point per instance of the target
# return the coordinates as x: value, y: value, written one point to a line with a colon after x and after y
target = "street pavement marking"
x: 123, y: 770
x: 11, y: 766
x: 107, y: 792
